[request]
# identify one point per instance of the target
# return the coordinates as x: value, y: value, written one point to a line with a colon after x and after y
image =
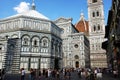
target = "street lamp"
x: 29, y: 62
x: 39, y: 65
x: 113, y: 36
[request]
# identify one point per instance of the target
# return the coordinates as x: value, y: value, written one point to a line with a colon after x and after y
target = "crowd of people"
x: 63, y: 74
x: 43, y: 74
x: 35, y: 74
x: 90, y: 74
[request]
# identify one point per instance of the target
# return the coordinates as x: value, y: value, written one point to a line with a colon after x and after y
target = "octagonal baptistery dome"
x: 30, y: 20
x: 31, y: 13
x: 82, y: 25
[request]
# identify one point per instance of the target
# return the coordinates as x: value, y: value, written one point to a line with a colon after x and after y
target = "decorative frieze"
x: 23, y: 23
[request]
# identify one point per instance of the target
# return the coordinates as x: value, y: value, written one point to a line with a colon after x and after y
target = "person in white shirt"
x: 22, y: 74
x: 49, y: 73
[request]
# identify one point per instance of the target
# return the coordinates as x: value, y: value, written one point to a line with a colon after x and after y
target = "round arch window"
x: 76, y: 45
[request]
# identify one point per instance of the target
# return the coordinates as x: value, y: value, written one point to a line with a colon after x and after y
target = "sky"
x: 53, y: 9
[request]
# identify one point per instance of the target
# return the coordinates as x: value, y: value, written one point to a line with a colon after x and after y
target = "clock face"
x: 76, y: 45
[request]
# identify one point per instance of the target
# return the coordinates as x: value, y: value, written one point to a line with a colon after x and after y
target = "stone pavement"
x: 74, y: 76
x: 109, y: 77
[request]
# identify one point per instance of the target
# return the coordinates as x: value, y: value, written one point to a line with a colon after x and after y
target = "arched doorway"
x: 77, y: 64
x: 77, y: 61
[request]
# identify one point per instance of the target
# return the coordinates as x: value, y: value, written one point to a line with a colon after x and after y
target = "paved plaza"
x: 74, y: 76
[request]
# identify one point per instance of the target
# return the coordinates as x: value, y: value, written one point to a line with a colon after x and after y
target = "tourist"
x: 40, y: 75
x: 79, y: 72
x: 58, y: 74
x: 115, y: 73
x: 49, y: 73
x: 32, y: 75
x: 92, y: 75
x: 22, y: 74
x: 68, y: 74
x: 99, y: 74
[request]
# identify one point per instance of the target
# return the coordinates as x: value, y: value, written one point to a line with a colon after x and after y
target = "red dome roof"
x: 82, y: 25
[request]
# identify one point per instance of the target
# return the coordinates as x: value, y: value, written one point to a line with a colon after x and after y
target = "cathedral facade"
x: 76, y: 48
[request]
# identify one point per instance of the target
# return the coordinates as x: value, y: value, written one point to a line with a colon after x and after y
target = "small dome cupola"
x: 33, y: 5
x: 82, y: 16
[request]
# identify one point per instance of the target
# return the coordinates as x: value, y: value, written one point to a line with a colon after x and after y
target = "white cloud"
x: 22, y: 7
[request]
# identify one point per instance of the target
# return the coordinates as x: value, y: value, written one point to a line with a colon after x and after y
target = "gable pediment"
x: 61, y: 20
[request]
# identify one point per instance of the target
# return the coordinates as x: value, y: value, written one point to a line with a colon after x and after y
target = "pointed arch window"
x: 97, y: 13
x: 93, y: 14
x: 94, y: 28
x: 98, y: 27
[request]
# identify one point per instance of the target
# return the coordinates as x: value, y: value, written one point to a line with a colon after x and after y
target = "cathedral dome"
x: 82, y: 25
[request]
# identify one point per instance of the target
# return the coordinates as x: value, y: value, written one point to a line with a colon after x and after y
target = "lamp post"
x: 51, y: 62
x: 39, y: 65
x: 29, y: 62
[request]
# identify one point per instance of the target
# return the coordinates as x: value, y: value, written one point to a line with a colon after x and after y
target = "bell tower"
x: 96, y: 33
x: 96, y: 17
